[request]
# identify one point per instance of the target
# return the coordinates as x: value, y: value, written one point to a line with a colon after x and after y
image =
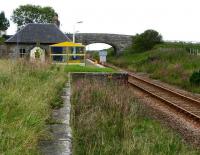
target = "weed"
x: 28, y: 92
x: 106, y: 119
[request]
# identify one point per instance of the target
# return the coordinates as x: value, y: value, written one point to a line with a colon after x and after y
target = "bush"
x: 195, y: 78
x: 146, y: 40
x: 2, y: 40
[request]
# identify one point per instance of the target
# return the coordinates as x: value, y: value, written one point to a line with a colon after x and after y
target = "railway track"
x: 181, y: 103
x: 188, y: 106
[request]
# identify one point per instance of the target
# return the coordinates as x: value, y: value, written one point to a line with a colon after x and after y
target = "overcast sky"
x: 174, y: 19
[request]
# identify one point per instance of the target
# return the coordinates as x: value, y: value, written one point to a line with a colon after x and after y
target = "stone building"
x: 31, y: 36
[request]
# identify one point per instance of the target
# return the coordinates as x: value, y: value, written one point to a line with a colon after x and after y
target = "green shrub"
x: 95, y: 55
x: 195, y: 78
x: 2, y: 40
x: 111, y: 51
x: 146, y: 40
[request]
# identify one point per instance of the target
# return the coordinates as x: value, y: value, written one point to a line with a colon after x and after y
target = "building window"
x: 22, y: 52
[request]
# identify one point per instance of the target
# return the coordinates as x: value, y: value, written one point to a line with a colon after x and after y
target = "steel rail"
x: 166, y: 89
x: 169, y: 103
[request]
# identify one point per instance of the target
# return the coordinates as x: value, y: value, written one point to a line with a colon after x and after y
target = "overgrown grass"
x: 106, y: 120
x: 174, y: 67
x: 77, y: 68
x: 28, y: 93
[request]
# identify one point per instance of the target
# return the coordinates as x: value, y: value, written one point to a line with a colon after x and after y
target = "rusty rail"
x: 170, y: 102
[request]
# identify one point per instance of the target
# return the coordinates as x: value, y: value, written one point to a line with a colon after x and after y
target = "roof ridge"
x: 44, y: 32
x: 62, y: 32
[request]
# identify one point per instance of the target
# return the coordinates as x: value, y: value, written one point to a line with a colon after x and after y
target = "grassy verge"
x: 107, y: 120
x: 173, y: 67
x: 77, y: 68
x: 28, y: 93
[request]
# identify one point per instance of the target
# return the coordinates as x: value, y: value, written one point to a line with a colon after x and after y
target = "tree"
x: 146, y: 40
x: 4, y: 22
x: 26, y: 14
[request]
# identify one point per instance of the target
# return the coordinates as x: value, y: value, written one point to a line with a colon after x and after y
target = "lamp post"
x: 74, y: 29
x: 74, y: 34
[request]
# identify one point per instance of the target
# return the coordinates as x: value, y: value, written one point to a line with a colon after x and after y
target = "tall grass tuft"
x: 107, y: 120
x: 28, y: 93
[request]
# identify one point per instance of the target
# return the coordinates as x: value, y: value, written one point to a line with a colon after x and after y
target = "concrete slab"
x: 61, y: 141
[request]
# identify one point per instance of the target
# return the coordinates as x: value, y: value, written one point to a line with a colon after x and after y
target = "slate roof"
x: 41, y: 33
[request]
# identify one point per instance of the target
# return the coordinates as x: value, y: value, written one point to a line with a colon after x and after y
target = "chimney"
x: 56, y: 21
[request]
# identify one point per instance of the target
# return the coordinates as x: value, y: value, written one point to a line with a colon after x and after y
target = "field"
x: 107, y: 120
x: 28, y: 94
x: 171, y: 66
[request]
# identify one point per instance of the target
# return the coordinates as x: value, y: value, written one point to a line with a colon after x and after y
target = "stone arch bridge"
x: 117, y: 41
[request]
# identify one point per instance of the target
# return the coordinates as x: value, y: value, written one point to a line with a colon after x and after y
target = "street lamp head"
x: 79, y: 22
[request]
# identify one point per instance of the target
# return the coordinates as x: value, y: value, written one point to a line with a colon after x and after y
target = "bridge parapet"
x: 117, y: 41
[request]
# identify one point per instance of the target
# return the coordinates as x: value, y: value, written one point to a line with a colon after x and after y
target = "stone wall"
x: 118, y: 41
x: 117, y: 77
x: 13, y: 49
x: 3, y: 51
